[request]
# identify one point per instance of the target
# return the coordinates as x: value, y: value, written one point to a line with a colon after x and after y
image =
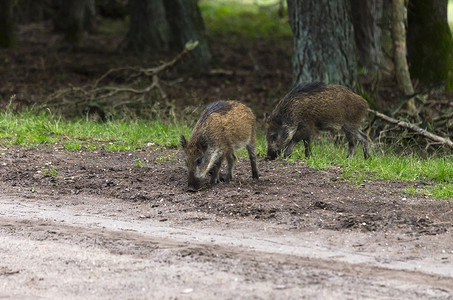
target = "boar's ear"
x: 183, y: 141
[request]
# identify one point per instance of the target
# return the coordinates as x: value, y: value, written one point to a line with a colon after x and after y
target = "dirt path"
x: 75, y: 250
x: 98, y: 228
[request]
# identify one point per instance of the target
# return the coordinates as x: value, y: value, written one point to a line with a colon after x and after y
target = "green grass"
x: 383, y: 166
x: 32, y: 129
x: 437, y: 191
x: 251, y: 19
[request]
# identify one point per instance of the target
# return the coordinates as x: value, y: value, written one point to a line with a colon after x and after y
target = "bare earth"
x: 99, y: 225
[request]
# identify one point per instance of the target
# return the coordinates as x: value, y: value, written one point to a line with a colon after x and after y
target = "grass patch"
x: 251, y: 19
x: 383, y: 166
x: 438, y: 191
x: 31, y: 129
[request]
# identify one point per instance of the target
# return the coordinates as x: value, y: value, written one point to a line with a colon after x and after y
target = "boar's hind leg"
x: 351, y: 136
x: 215, y: 172
x: 252, y: 156
x: 364, y: 140
x: 231, y: 160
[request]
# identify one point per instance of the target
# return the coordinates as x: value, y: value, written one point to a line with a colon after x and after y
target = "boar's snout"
x: 194, y: 183
x: 192, y: 189
x: 271, y: 155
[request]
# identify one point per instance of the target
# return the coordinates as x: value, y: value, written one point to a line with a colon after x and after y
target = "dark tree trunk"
x: 430, y: 43
x: 385, y: 26
x: 7, y: 36
x: 32, y: 10
x: 75, y: 16
x: 161, y: 25
x: 366, y: 15
x: 149, y: 31
x: 187, y: 24
x: 324, y: 46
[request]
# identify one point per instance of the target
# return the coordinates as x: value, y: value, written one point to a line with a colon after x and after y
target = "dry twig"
x: 415, y: 128
x: 103, y: 96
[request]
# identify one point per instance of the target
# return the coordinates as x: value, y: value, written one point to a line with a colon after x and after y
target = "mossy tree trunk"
x: 7, y: 36
x: 430, y: 43
x: 324, y: 46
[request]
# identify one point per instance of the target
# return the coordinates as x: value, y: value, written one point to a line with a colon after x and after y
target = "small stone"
x: 187, y: 291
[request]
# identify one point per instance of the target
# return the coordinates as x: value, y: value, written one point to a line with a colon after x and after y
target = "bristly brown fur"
x: 224, y: 127
x: 311, y: 107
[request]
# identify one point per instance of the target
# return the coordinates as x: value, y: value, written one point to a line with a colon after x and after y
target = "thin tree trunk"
x: 7, y: 36
x: 324, y: 46
x: 399, y: 17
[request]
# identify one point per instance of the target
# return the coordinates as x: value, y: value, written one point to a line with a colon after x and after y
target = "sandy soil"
x: 93, y: 225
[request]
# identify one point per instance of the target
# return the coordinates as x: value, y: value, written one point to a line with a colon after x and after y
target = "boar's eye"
x: 199, y: 161
x: 274, y: 137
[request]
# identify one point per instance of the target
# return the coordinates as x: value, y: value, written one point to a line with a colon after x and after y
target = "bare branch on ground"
x: 415, y: 128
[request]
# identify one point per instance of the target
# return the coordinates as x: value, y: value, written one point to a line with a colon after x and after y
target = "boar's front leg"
x: 289, y: 149
x: 307, y: 147
x: 231, y: 159
x: 362, y: 138
x: 215, y: 172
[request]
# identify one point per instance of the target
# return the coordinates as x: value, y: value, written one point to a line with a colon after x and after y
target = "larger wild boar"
x: 224, y: 126
x: 315, y: 106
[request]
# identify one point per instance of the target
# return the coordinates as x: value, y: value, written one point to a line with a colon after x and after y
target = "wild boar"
x: 224, y: 126
x: 315, y: 106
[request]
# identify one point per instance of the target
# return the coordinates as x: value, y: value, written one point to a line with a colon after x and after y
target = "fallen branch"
x: 421, y: 131
x: 187, y: 49
x: 145, y: 81
x: 155, y: 70
x: 440, y: 102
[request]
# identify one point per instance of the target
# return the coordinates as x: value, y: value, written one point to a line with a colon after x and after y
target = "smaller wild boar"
x: 315, y: 106
x: 224, y: 126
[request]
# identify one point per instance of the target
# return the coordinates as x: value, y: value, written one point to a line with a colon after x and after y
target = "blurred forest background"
x: 105, y: 59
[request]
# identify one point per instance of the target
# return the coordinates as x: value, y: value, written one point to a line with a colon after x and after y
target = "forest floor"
x: 96, y: 224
